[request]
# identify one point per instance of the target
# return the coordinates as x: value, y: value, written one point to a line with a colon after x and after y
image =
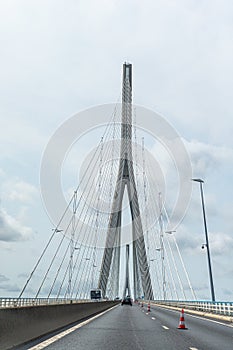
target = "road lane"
x: 124, y: 327
x: 203, y: 332
x: 127, y: 327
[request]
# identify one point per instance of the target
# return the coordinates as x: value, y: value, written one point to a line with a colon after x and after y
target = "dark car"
x: 126, y: 301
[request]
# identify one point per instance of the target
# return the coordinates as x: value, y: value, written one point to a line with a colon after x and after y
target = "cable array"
x: 74, y: 258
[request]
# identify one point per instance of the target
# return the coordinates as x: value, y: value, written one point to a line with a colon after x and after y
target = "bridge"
x: 114, y: 241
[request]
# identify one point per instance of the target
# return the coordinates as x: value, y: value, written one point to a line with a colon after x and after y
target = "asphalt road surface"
x: 125, y: 327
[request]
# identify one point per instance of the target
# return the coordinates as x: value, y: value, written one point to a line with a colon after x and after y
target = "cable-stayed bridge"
x: 114, y: 239
x: 118, y: 203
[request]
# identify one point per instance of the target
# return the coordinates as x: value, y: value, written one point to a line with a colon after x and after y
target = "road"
x: 126, y: 327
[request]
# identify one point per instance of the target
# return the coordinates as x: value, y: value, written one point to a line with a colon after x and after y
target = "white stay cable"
x: 182, y: 262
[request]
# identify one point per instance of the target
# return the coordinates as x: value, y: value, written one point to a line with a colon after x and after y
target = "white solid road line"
x: 49, y: 341
x: 207, y: 319
x: 165, y: 327
x: 203, y: 318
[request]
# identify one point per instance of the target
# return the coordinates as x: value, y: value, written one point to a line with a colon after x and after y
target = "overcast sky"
x: 61, y: 57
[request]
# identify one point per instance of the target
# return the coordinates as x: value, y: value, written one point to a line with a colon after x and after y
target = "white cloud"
x: 20, y: 136
x: 21, y: 191
x: 2, y: 173
x: 206, y: 157
x: 221, y: 243
x: 18, y: 192
x: 11, y: 229
x: 18, y: 198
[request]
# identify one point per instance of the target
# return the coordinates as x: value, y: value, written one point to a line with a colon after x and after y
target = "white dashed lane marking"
x: 165, y: 327
x: 153, y: 318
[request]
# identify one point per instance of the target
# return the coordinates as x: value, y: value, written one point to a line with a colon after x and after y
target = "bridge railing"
x: 219, y: 307
x: 22, y: 302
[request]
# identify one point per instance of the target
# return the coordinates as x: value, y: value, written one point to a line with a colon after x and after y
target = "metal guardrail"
x: 218, y: 307
x: 23, y: 302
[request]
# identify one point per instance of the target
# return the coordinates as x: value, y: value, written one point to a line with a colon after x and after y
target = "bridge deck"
x: 126, y: 327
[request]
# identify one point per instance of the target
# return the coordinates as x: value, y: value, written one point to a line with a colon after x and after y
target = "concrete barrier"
x: 19, y: 325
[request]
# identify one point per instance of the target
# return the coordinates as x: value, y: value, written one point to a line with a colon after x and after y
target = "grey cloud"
x: 227, y: 292
x: 22, y: 275
x: 3, y: 278
x: 9, y: 287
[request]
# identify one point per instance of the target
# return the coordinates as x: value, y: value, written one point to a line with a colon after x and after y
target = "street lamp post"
x: 207, y: 240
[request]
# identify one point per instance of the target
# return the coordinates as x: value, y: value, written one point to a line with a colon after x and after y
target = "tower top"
x: 127, y: 72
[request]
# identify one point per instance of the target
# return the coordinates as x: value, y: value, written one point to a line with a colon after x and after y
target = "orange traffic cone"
x: 182, y: 324
x: 148, y: 308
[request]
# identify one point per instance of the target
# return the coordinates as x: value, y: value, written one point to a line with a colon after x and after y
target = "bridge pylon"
x: 126, y: 179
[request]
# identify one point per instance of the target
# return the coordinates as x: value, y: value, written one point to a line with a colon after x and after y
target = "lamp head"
x: 198, y: 180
